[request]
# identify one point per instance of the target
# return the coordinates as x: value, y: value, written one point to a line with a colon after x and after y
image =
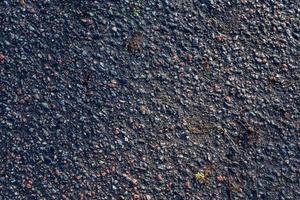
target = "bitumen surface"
x: 144, y: 100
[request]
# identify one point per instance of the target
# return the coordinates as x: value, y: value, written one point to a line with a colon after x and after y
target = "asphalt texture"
x: 149, y: 99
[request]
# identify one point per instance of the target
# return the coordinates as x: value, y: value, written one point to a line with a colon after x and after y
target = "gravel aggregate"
x: 142, y: 100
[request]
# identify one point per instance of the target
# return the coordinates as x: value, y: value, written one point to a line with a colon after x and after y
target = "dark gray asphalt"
x: 149, y: 99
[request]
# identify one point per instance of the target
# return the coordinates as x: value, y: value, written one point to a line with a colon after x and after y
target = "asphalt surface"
x: 149, y: 99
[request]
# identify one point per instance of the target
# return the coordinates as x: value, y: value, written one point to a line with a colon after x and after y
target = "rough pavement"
x: 149, y: 99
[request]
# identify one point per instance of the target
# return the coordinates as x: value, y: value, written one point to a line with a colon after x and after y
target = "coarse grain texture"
x: 149, y: 99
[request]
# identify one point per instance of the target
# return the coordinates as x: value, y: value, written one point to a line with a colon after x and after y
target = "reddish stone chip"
x: 2, y: 58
